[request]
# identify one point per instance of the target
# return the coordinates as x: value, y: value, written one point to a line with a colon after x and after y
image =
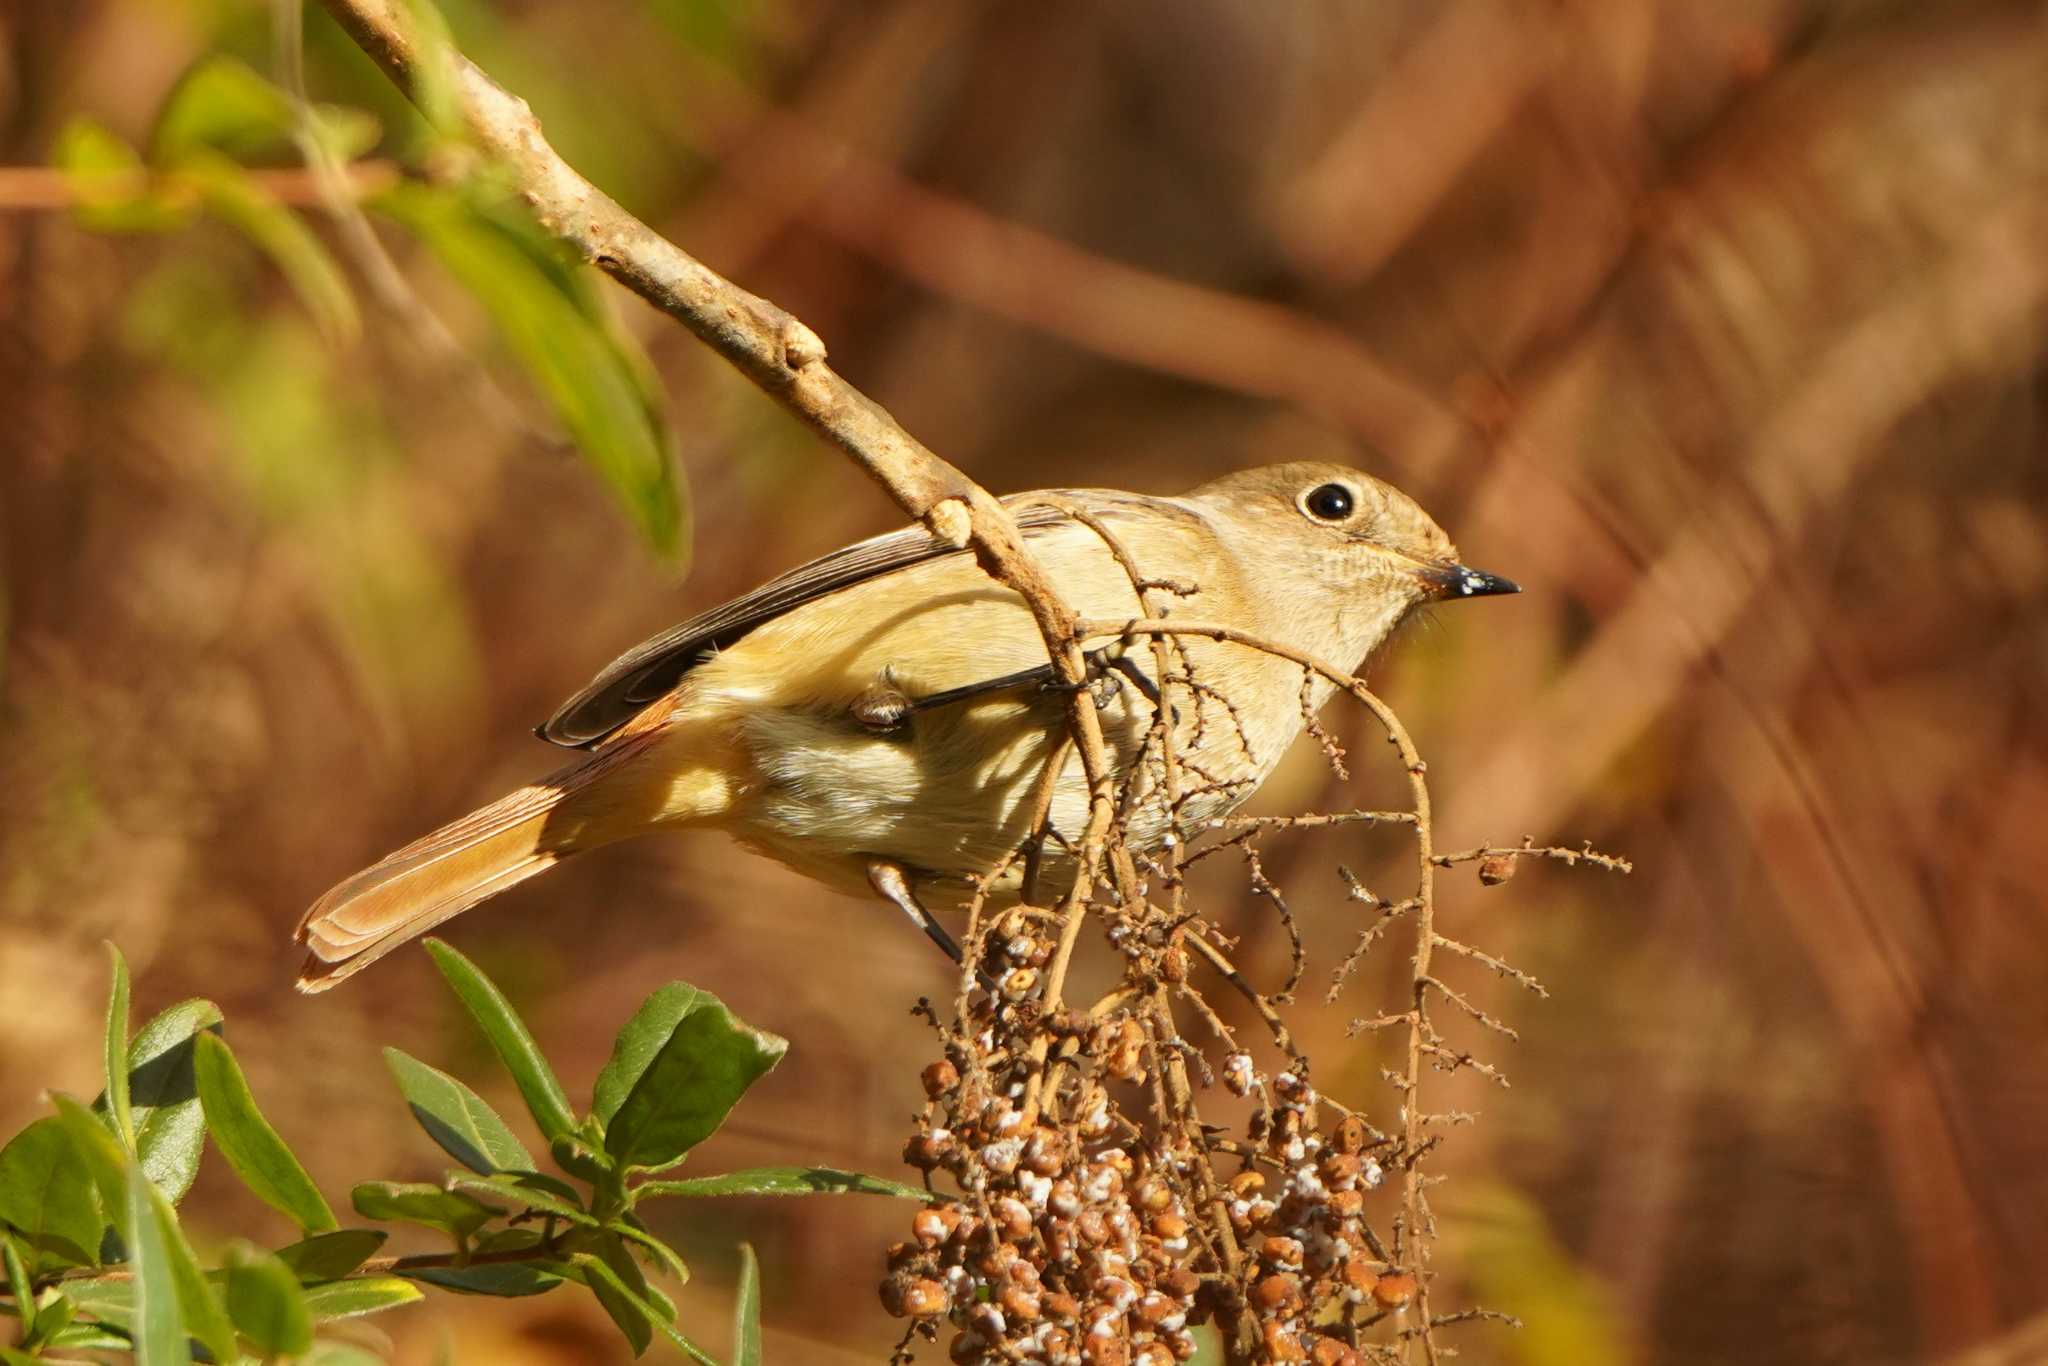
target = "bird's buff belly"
x: 949, y: 796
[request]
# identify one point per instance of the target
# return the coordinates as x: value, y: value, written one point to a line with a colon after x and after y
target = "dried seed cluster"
x: 1064, y: 1247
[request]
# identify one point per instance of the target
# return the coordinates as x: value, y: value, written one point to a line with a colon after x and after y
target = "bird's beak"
x: 1458, y: 581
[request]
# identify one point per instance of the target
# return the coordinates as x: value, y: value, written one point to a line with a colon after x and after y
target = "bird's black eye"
x: 1329, y: 502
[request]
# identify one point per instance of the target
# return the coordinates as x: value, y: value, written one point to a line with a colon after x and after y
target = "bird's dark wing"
x: 652, y: 668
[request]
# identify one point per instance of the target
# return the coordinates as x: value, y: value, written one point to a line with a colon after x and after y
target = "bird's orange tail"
x: 444, y: 874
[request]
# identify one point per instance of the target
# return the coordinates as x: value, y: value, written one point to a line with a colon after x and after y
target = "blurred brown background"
x: 1718, y: 326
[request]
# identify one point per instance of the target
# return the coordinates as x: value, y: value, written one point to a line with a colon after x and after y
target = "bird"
x: 880, y: 719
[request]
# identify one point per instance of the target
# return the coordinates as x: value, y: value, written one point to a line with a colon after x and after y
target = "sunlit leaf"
x: 115, y: 1057
x: 746, y: 1311
x: 153, y: 1315
x: 690, y: 1085
x: 457, y: 1118
x: 170, y: 1125
x: 590, y: 373
x: 19, y: 1285
x: 261, y: 1158
x: 593, y: 1270
x: 639, y: 1041
x: 47, y: 1194
x: 509, y: 1038
x: 783, y: 1181
x: 199, y: 1306
x: 362, y: 1295
x: 266, y: 1304
x: 416, y: 1202
x: 330, y: 1256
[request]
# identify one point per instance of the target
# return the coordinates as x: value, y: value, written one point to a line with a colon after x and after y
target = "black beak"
x: 1457, y: 581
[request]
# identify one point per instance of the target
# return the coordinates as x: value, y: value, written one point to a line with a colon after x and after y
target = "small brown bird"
x: 879, y: 718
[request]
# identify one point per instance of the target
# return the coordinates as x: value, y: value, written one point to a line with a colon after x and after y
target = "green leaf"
x: 111, y: 190
x: 119, y: 1109
x: 783, y: 1181
x: 457, y: 1118
x: 104, y: 1161
x: 91, y: 1337
x: 578, y: 1158
x: 706, y: 1064
x: 156, y: 1323
x: 221, y: 104
x: 20, y: 1286
x: 198, y: 1305
x: 623, y: 1294
x: 266, y: 1304
x: 637, y: 1044
x: 48, y: 1196
x: 53, y: 1316
x: 109, y: 1299
x: 532, y: 1196
x: 330, y: 1256
x: 593, y: 377
x: 593, y: 1270
x: 232, y: 195
x: 510, y: 1280
x: 746, y: 1311
x: 508, y: 1037
x: 170, y: 1125
x: 266, y: 1166
x: 416, y: 1202
x: 363, y: 1295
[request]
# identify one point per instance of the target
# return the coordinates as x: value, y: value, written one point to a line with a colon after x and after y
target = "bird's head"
x: 1320, y: 536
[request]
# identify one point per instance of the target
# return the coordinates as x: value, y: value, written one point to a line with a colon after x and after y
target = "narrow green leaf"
x: 509, y: 1280
x: 330, y: 1256
x: 91, y: 1337
x: 198, y: 1305
x: 47, y: 1194
x: 783, y: 1181
x: 53, y: 1316
x: 691, y: 1084
x: 623, y: 1295
x: 159, y: 1332
x: 509, y: 1038
x: 589, y: 371
x: 103, y: 1159
x: 266, y: 1304
x: 362, y: 1295
x: 266, y: 1166
x: 109, y: 1299
x: 638, y: 1043
x: 533, y: 1197
x: 20, y: 1286
x: 457, y: 1118
x: 415, y: 1202
x: 632, y: 1226
x: 746, y: 1311
x: 120, y: 1112
x: 594, y: 1269
x: 170, y: 1124
x: 232, y: 195
x: 11, y: 1357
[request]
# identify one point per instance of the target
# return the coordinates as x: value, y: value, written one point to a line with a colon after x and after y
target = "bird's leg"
x: 1101, y: 663
x: 888, y: 879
